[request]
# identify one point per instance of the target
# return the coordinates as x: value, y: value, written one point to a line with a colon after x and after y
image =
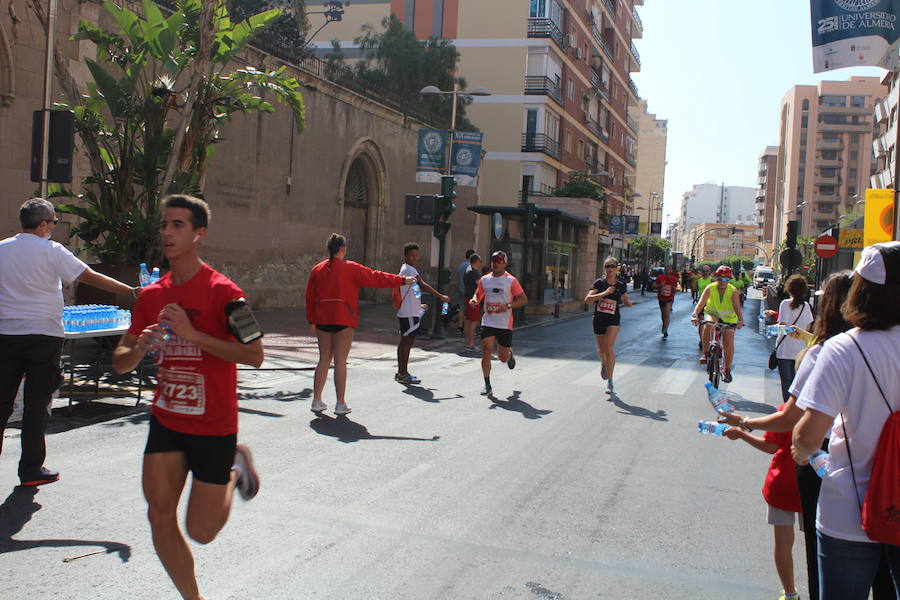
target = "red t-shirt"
x: 780, y: 489
x: 197, y: 392
x: 667, y: 285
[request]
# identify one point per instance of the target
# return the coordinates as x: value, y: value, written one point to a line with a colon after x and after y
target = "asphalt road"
x: 553, y: 491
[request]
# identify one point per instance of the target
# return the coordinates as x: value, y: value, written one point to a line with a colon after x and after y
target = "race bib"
x: 665, y: 290
x: 181, y: 392
x: 607, y: 306
x: 494, y: 307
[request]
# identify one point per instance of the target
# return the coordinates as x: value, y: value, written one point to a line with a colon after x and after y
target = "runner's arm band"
x: 241, y: 322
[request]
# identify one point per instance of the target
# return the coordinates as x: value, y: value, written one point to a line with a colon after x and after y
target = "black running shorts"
x: 602, y: 321
x: 504, y: 336
x: 209, y: 457
x: 662, y: 302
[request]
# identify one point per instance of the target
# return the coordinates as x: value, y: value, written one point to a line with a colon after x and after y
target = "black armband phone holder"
x: 241, y: 322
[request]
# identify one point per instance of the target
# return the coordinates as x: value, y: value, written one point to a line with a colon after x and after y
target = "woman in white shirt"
x: 794, y: 311
x: 843, y: 384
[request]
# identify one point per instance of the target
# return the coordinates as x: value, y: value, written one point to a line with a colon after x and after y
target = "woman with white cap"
x: 857, y: 378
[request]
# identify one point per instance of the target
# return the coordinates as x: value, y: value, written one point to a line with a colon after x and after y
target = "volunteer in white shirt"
x: 32, y: 269
x: 410, y: 313
x: 842, y: 394
x: 796, y: 312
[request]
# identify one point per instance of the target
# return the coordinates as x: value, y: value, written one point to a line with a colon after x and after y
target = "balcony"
x: 632, y: 125
x: 830, y: 145
x: 631, y: 160
x: 846, y: 127
x: 846, y: 110
x: 611, y: 7
x: 546, y: 28
x: 540, y: 85
x: 540, y: 142
x: 637, y: 55
x: 822, y: 180
x: 835, y: 163
x: 598, y: 37
x: 638, y: 30
x: 633, y: 87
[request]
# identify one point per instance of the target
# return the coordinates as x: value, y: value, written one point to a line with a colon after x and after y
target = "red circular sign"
x: 826, y: 246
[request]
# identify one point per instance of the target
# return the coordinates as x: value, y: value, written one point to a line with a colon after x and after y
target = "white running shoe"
x: 247, y: 483
x: 318, y: 406
x: 341, y: 409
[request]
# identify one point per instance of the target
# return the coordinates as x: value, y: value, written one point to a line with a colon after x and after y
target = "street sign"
x: 826, y: 246
x: 498, y: 225
x: 791, y: 258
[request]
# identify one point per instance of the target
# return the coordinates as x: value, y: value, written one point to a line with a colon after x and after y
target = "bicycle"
x: 715, y: 359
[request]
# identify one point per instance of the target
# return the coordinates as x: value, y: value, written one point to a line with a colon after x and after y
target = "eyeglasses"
x: 54, y: 221
x: 610, y: 266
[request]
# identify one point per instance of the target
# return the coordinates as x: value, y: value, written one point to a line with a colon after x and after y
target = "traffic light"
x: 791, y: 240
x: 531, y: 217
x: 448, y: 182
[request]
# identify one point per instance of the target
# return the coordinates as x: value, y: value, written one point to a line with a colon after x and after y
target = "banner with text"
x: 616, y: 223
x: 466, y: 157
x: 632, y: 223
x: 431, y: 159
x: 853, y: 33
x: 879, y: 223
x: 465, y: 160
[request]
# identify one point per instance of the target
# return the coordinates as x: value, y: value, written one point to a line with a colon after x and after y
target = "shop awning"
x: 519, y: 211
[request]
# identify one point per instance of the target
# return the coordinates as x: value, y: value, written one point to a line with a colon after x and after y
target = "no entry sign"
x: 826, y: 246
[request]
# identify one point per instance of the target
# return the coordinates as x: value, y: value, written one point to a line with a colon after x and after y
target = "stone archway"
x: 362, y: 198
x: 7, y: 74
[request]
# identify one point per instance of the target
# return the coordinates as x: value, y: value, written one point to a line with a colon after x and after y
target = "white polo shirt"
x: 412, y: 306
x: 32, y: 270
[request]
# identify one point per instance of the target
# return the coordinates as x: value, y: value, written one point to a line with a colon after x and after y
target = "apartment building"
x: 651, y: 168
x: 714, y: 203
x: 559, y: 73
x: 715, y: 241
x: 765, y: 196
x: 825, y: 157
x: 884, y: 144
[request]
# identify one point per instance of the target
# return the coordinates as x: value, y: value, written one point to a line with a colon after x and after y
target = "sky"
x: 717, y: 70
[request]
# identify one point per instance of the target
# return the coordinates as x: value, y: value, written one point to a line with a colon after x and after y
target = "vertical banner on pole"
x: 466, y: 157
x: 431, y: 158
x: 853, y: 33
x: 631, y: 224
x: 879, y: 221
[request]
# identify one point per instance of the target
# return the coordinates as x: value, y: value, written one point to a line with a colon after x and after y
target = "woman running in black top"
x: 607, y: 293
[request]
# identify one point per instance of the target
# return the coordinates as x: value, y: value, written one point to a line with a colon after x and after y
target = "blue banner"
x: 632, y: 224
x: 466, y: 157
x: 431, y: 160
x: 853, y: 33
x: 616, y: 224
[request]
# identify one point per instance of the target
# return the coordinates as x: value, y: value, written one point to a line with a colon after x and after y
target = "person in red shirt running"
x: 666, y: 286
x: 182, y: 319
x: 332, y: 308
x: 501, y: 293
x: 782, y: 496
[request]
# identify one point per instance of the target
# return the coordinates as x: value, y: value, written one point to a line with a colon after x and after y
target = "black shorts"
x: 331, y: 328
x: 209, y: 457
x: 662, y: 303
x: 409, y: 326
x: 601, y: 322
x: 504, y: 336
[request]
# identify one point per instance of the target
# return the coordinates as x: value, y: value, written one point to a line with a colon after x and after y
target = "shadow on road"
x: 637, y: 411
x: 279, y: 395
x: 514, y: 403
x: 427, y: 394
x: 348, y: 431
x: 17, y: 510
x: 741, y: 404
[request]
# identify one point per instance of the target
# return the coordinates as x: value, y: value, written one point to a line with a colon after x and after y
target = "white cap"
x: 880, y: 263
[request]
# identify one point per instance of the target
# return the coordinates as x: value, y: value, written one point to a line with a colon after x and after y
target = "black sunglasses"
x: 54, y: 221
x: 610, y: 266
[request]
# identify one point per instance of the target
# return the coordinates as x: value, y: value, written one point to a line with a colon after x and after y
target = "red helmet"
x: 724, y: 271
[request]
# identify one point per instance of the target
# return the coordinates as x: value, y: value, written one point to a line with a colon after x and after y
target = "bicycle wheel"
x: 712, y: 364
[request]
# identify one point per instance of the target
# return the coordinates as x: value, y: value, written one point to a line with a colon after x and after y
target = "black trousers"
x: 36, y: 357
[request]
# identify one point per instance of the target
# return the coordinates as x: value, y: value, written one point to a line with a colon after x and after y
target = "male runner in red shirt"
x: 193, y: 424
x: 666, y: 285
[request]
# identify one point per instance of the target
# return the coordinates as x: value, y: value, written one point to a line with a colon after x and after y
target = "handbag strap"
x: 800, y: 314
x: 883, y: 396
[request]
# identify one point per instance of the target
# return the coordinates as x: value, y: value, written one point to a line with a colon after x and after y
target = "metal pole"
x: 442, y: 239
x: 896, y: 170
x: 48, y: 90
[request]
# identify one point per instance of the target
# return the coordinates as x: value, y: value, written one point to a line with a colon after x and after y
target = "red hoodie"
x: 332, y: 290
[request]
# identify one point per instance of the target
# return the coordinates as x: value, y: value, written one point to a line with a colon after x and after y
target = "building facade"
x: 651, y: 169
x: 885, y: 143
x: 825, y: 157
x: 765, y: 198
x: 714, y: 203
x: 715, y: 241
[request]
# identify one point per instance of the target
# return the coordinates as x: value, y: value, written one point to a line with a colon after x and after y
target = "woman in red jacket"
x: 332, y: 307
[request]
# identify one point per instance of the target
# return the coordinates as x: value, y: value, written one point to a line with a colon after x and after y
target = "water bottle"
x: 144, y: 276
x: 444, y: 309
x: 776, y: 330
x: 718, y: 400
x: 761, y: 328
x: 712, y: 428
x: 417, y: 291
x: 154, y: 276
x: 820, y: 461
x: 166, y: 332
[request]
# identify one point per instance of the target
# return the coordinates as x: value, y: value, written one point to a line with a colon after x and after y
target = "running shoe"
x: 43, y: 476
x: 407, y: 379
x: 247, y: 483
x: 472, y: 348
x: 702, y: 360
x: 486, y: 390
x: 341, y: 409
x: 511, y: 363
x: 727, y: 378
x: 665, y: 333
x: 603, y: 373
x: 785, y: 596
x: 318, y: 406
x: 609, y: 387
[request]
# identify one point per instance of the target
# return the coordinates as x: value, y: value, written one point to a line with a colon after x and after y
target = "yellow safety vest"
x: 703, y: 282
x: 721, y: 306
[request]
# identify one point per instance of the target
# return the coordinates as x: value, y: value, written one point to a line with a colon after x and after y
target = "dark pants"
x: 36, y: 357
x: 786, y: 371
x: 809, y: 483
x: 847, y: 570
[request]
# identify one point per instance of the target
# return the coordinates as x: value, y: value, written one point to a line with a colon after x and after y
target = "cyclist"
x: 720, y: 302
x: 703, y: 280
x: 740, y: 284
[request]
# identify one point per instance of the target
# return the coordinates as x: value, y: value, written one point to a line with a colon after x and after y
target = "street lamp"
x: 430, y: 90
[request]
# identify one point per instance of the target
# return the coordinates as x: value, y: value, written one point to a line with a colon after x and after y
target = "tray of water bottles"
x: 91, y: 319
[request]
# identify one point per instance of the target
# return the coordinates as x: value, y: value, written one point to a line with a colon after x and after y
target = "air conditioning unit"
x: 570, y: 40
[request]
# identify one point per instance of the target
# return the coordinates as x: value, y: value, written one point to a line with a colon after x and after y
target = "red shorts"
x: 473, y: 313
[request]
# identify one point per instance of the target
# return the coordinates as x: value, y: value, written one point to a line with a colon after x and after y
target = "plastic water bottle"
x: 718, y: 400
x: 445, y: 308
x: 417, y: 291
x: 820, y: 461
x: 154, y: 276
x: 166, y: 334
x: 761, y: 328
x: 776, y: 330
x: 144, y: 276
x: 712, y: 428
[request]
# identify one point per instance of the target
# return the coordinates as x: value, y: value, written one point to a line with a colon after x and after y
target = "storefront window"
x: 558, y: 272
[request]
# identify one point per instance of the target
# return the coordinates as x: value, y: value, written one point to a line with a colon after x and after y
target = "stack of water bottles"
x: 94, y: 317
x: 417, y: 292
x: 776, y: 330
